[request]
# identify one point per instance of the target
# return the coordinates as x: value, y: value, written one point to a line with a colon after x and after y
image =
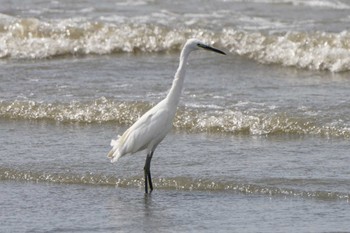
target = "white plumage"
x: 150, y: 129
x: 146, y: 133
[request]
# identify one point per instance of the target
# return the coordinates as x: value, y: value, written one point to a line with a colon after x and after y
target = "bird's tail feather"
x: 114, y: 153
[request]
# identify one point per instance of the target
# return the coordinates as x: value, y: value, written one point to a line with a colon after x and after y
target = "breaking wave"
x: 97, y: 111
x: 331, y: 4
x: 31, y: 38
x: 226, y: 121
x: 172, y: 183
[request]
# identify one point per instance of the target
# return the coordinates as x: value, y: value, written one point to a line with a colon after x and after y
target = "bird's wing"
x: 151, y: 128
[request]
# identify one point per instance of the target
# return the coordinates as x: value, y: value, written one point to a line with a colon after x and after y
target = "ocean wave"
x: 31, y: 38
x: 64, y: 178
x: 331, y: 4
x: 171, y: 183
x: 194, y: 120
x: 100, y: 110
x: 315, y: 51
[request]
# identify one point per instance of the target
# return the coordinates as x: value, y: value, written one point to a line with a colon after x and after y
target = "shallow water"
x: 105, y: 209
x: 260, y: 141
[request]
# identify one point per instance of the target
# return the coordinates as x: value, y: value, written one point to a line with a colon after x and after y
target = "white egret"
x: 151, y: 128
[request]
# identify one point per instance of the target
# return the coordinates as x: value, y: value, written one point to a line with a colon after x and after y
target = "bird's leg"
x: 150, y: 181
x: 146, y: 182
x: 147, y: 170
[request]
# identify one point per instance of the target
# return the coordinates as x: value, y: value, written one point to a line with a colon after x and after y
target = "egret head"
x: 195, y: 44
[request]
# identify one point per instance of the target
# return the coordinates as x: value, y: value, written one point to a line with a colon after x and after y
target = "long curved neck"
x: 176, y: 88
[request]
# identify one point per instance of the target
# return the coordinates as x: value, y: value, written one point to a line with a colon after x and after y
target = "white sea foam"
x: 200, y: 118
x: 317, y: 51
x: 31, y: 38
x: 331, y: 4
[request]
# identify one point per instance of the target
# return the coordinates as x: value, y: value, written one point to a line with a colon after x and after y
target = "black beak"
x: 211, y: 49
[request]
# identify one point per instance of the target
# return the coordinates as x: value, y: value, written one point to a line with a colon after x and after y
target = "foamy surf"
x: 316, y: 51
x: 31, y: 38
x: 194, y: 120
x: 173, y: 183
